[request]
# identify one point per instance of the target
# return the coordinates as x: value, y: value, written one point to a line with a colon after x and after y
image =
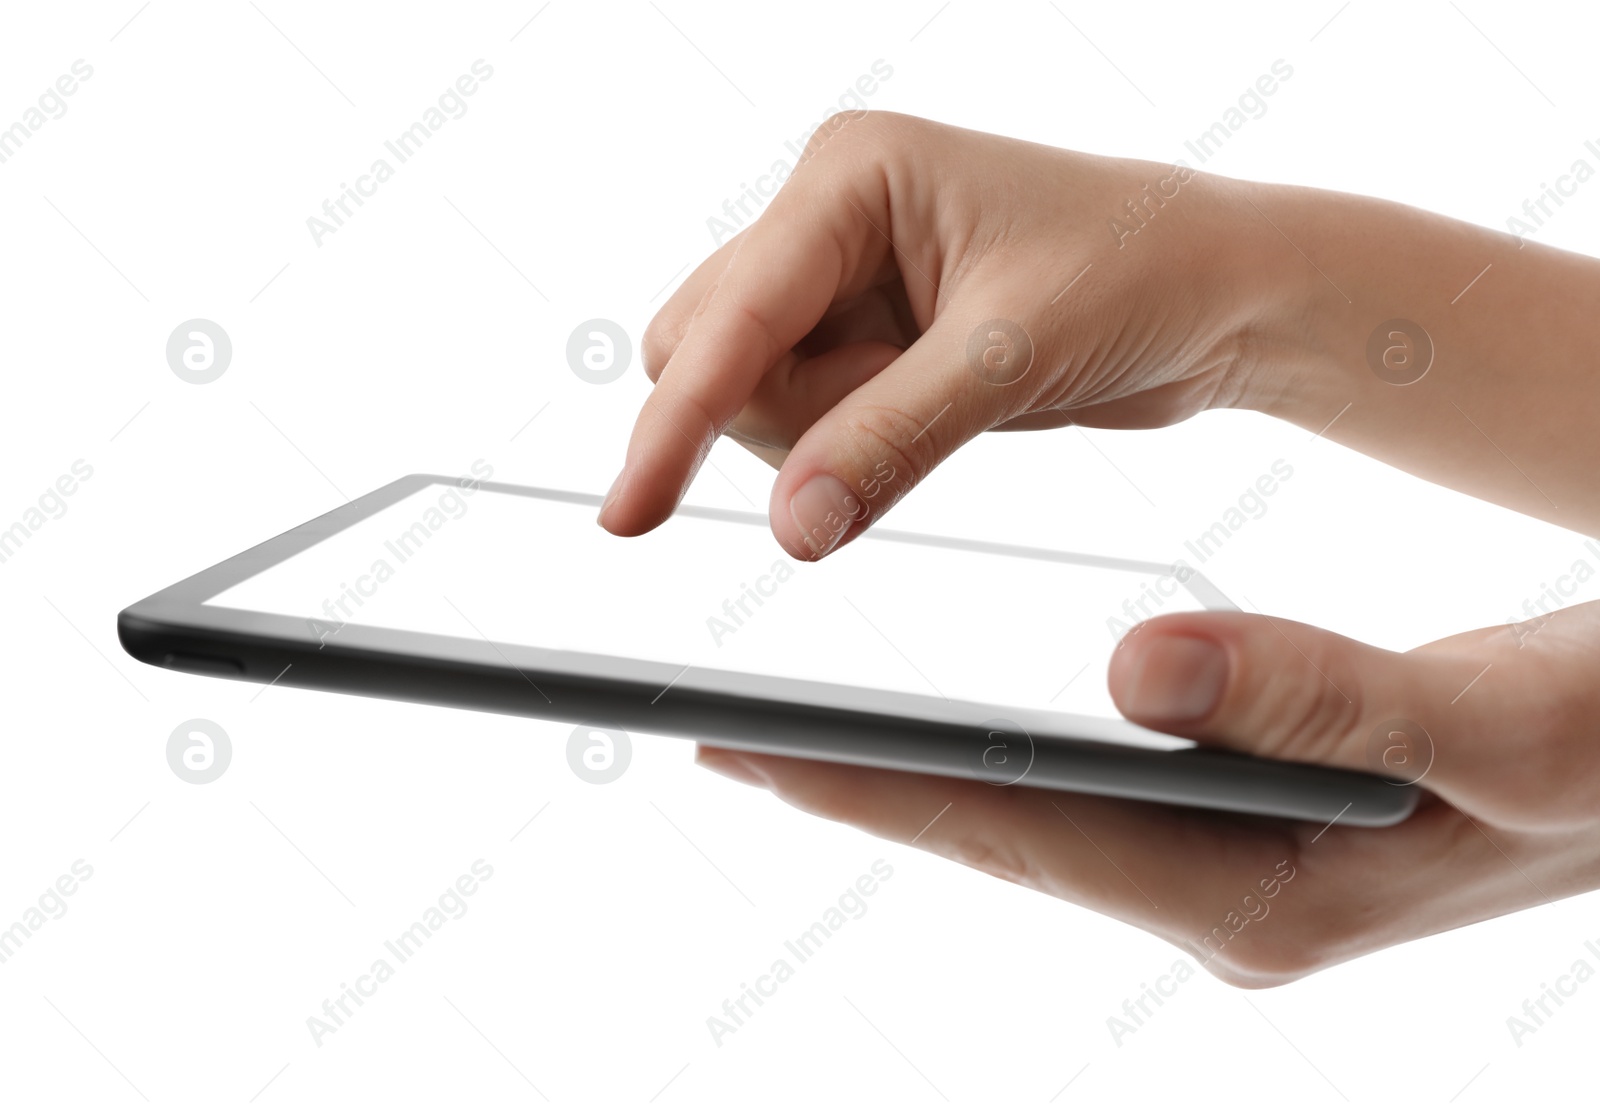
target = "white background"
x: 428, y: 331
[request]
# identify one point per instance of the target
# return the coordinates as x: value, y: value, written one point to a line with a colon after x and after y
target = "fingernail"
x: 823, y: 509
x: 731, y: 765
x: 1128, y: 636
x: 1177, y: 678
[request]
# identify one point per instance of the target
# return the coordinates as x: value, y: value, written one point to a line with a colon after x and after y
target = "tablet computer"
x: 935, y: 654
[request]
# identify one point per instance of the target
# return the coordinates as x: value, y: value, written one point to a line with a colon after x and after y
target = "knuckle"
x: 661, y: 339
x: 825, y: 133
x: 887, y: 123
x: 1311, y: 714
x: 668, y: 329
x: 703, y: 426
x: 852, y: 134
x: 759, y: 324
x: 889, y: 434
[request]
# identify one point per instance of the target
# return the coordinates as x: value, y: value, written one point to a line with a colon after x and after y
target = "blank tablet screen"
x: 711, y: 590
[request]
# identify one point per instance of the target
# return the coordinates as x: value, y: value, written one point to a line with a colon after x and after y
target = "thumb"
x: 960, y: 378
x: 1290, y: 691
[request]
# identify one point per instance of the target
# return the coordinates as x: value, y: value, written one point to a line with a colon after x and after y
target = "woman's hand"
x: 1496, y: 725
x: 913, y: 285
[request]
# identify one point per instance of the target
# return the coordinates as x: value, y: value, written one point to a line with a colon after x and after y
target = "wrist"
x: 1292, y: 315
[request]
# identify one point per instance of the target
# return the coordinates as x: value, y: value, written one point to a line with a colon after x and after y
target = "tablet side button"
x: 202, y: 665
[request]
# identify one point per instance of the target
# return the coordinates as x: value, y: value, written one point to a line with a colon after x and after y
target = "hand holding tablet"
x: 913, y: 285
